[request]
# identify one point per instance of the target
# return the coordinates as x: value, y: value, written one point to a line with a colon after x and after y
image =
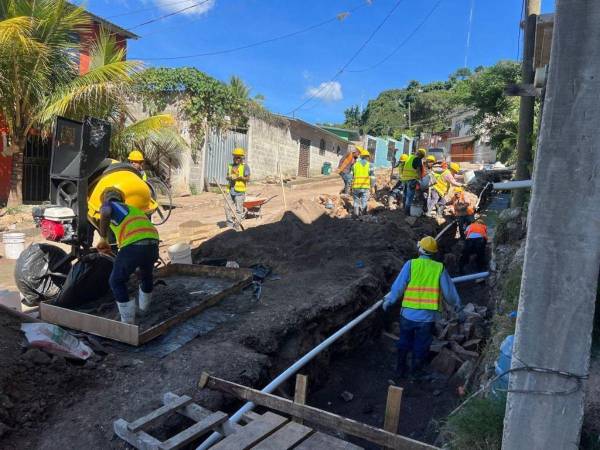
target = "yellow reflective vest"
x: 238, y: 171
x: 441, y: 185
x: 362, y: 179
x: 133, y: 228
x: 408, y: 172
x: 424, y: 289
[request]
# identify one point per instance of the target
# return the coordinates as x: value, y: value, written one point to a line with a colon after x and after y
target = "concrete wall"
x: 299, y: 130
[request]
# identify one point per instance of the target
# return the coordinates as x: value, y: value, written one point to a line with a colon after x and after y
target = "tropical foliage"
x: 39, y: 79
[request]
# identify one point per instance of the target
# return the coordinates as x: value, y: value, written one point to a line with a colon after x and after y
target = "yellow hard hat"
x: 421, y: 152
x: 136, y: 156
x: 239, y: 152
x: 455, y: 167
x: 403, y: 157
x: 428, y: 244
x: 458, y: 190
x: 362, y: 151
x: 431, y: 158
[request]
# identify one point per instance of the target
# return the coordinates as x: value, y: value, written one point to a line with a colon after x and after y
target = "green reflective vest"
x: 133, y: 228
x: 423, y: 290
x: 441, y: 185
x: 362, y: 179
x: 408, y: 172
x: 239, y: 185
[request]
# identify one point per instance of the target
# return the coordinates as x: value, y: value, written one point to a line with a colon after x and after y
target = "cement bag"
x: 87, y: 281
x: 33, y: 274
x: 53, y: 339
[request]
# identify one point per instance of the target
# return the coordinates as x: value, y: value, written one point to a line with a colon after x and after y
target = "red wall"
x: 5, y: 168
x: 86, y: 41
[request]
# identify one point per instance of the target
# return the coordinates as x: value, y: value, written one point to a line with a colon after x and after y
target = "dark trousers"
x: 463, y: 223
x: 129, y: 258
x: 475, y: 246
x: 415, y: 337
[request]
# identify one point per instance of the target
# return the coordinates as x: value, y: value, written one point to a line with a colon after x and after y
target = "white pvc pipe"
x: 290, y: 371
x: 510, y: 185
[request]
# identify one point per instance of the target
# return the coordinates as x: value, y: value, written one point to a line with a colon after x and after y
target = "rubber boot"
x: 418, y: 369
x: 144, y: 299
x: 127, y: 311
x: 401, y: 366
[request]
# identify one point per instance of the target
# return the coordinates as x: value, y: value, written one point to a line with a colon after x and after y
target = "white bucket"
x: 468, y: 176
x: 416, y: 211
x: 14, y: 244
x: 180, y: 254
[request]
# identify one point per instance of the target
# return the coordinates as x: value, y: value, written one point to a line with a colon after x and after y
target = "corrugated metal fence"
x: 218, y: 153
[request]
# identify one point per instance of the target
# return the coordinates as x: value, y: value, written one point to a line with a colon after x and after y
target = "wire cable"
x: 151, y: 8
x: 179, y: 11
x: 519, y: 33
x: 403, y: 43
x: 352, y: 58
x: 337, y: 17
x: 468, y: 46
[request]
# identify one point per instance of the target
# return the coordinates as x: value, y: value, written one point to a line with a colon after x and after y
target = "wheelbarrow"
x: 253, y: 206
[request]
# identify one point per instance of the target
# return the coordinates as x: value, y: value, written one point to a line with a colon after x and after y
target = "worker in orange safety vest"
x: 475, y: 244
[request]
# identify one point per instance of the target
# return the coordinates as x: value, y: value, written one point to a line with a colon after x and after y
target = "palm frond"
x: 16, y: 36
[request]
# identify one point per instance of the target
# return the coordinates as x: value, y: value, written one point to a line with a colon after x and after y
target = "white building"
x: 463, y: 145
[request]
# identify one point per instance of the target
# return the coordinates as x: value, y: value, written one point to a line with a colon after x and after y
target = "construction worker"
x: 238, y: 175
x: 361, y: 182
x: 137, y: 241
x: 396, y: 191
x: 475, y: 243
x: 428, y: 178
x: 421, y: 284
x: 464, y: 210
x: 345, y: 169
x: 410, y: 174
x: 136, y: 159
x: 441, y: 188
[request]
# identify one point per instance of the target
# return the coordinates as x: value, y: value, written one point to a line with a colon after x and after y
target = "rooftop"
x: 109, y: 25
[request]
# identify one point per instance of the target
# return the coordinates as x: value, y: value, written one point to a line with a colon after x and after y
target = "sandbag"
x: 34, y: 276
x: 87, y: 281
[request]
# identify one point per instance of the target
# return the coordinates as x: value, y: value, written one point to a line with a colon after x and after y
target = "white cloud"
x: 174, y: 6
x: 330, y: 91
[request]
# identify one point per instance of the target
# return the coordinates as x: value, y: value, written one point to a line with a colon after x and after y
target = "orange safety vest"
x: 478, y: 228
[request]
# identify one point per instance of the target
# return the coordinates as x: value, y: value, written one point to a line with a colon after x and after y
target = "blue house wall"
x: 382, y: 157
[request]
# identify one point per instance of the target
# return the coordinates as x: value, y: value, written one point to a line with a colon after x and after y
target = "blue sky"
x: 288, y: 71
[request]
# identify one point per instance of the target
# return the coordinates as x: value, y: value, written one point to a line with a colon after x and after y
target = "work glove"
x: 386, y: 304
x: 104, y: 247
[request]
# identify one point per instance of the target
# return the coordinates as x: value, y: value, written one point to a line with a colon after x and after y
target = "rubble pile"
x: 457, y: 343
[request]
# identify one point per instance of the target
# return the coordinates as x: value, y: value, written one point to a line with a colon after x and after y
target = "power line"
x: 151, y: 8
x: 337, y: 17
x: 403, y: 43
x: 169, y: 15
x: 519, y: 33
x: 468, y: 46
x: 352, y: 58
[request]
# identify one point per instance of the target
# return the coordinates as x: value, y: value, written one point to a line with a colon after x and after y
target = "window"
x: 372, y: 147
x: 338, y: 150
x: 322, y: 147
x: 391, y: 151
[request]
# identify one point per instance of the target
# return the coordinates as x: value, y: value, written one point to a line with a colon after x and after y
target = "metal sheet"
x: 218, y: 153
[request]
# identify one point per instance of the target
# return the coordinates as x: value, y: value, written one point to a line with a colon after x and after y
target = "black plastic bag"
x: 87, y: 281
x: 36, y: 274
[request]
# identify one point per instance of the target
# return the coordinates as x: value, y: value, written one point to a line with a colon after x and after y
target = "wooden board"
x: 321, y: 441
x: 130, y: 334
x: 286, y: 437
x: 195, y: 431
x: 254, y: 432
x: 158, y: 414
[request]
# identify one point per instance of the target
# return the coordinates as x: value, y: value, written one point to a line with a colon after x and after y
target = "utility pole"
x: 562, y: 253
x: 526, y: 112
x: 409, y: 118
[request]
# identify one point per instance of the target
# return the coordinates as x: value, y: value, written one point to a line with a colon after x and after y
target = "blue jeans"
x: 415, y: 337
x: 361, y: 198
x: 129, y: 258
x: 410, y: 189
x: 347, y: 177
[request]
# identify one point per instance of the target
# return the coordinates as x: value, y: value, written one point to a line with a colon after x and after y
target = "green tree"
x: 353, y: 117
x: 239, y: 88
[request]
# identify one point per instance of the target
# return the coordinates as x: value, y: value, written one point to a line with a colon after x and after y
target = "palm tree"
x: 239, y: 88
x: 39, y: 77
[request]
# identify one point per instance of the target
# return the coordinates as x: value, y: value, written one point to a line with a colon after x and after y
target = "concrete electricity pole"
x: 562, y: 253
x: 526, y: 112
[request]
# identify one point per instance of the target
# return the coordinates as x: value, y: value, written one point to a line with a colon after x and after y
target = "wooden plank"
x: 300, y: 393
x: 150, y: 419
x: 204, y: 271
x: 392, y: 409
x: 522, y: 90
x: 140, y: 440
x: 286, y: 437
x: 321, y: 441
x: 314, y: 415
x: 161, y: 328
x: 195, y: 431
x: 100, y: 326
x: 251, y: 434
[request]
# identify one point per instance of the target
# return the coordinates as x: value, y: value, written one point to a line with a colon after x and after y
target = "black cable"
x: 179, y: 11
x: 254, y: 44
x: 403, y: 43
x: 352, y: 58
x: 151, y: 8
x: 519, y: 34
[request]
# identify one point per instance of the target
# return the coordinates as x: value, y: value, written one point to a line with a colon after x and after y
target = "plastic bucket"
x: 14, y: 244
x: 180, y: 254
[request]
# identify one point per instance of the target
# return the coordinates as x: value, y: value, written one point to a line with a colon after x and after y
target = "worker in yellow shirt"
x: 362, y: 174
x: 412, y: 172
x: 136, y: 159
x: 238, y: 175
x: 441, y: 188
x: 397, y: 191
